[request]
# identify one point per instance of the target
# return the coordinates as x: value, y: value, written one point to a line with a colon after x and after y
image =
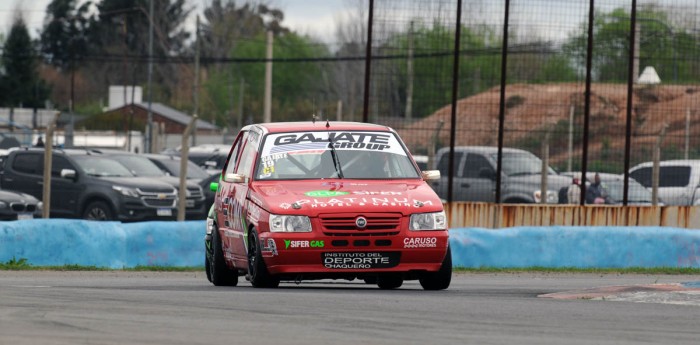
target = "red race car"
x: 318, y: 200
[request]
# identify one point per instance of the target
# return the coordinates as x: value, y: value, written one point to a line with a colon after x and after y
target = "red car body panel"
x: 336, y: 245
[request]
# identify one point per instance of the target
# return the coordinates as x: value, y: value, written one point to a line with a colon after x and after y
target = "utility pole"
x: 635, y: 64
x: 196, y: 83
x: 241, y: 91
x: 267, y: 115
x: 149, y: 121
x: 409, y: 75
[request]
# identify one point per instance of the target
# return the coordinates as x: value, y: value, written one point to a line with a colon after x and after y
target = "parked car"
x: 85, y: 184
x: 19, y: 206
x: 614, y: 186
x: 341, y: 200
x: 475, y: 175
x: 209, y: 157
x: 679, y: 180
x: 171, y: 165
x: 142, y: 166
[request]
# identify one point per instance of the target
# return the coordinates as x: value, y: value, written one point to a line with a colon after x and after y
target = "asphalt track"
x: 115, y: 307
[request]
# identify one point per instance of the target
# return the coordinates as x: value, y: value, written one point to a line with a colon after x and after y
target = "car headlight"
x: 428, y: 221
x: 552, y: 197
x: 280, y: 223
x: 126, y: 191
x: 39, y: 206
x: 3, y: 205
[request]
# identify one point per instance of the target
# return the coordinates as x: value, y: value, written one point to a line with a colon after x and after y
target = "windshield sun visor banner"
x: 311, y: 141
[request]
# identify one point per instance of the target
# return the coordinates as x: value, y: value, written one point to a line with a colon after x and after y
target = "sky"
x: 313, y: 17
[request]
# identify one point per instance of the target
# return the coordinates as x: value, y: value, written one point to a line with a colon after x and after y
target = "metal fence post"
x: 455, y: 95
x: 502, y: 103
x: 368, y: 62
x: 48, y: 159
x: 631, y: 77
x: 587, y: 103
x: 184, y: 156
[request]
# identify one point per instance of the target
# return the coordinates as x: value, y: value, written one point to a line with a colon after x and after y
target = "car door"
x: 249, y: 151
x: 440, y: 186
x: 64, y: 191
x: 224, y: 205
x: 474, y: 182
x: 25, y: 174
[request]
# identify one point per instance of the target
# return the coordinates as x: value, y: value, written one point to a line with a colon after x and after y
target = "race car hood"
x: 315, y: 197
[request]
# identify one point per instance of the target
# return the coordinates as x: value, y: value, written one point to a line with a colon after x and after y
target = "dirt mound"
x: 535, y: 109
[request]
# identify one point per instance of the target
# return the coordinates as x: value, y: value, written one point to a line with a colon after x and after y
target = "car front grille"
x: 158, y: 196
x: 378, y: 224
x: 155, y: 202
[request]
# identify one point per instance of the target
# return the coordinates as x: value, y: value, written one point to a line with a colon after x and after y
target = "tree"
x: 296, y: 85
x: 661, y: 45
x: 64, y: 35
x: 20, y: 85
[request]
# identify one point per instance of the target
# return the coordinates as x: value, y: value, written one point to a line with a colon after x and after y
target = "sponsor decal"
x: 325, y: 193
x: 420, y: 242
x: 359, y: 201
x: 321, y: 141
x: 303, y: 244
x: 360, y: 260
x: 269, y: 246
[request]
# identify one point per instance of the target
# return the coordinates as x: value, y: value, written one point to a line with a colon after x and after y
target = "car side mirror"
x: 234, y: 178
x: 68, y: 173
x: 430, y: 175
x: 487, y: 173
x: 214, y: 186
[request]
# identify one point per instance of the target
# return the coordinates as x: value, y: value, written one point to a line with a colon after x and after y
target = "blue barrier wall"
x: 583, y: 247
x: 56, y: 242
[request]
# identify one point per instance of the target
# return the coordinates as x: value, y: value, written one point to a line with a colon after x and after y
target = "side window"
x: 643, y: 176
x: 674, y: 176
x: 474, y: 164
x: 59, y: 163
x: 444, y: 163
x: 29, y: 163
x: 233, y: 159
x: 247, y: 158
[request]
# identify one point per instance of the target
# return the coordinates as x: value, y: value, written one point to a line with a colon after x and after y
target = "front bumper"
x: 322, y: 255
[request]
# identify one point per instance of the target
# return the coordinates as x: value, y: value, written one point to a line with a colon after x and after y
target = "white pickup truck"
x: 679, y: 180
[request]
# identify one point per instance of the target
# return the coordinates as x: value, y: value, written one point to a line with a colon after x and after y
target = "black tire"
x: 207, y: 268
x: 99, y: 211
x: 219, y: 273
x: 389, y: 282
x: 257, y: 270
x: 441, y: 279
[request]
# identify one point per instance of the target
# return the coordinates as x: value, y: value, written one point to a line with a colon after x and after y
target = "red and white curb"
x: 680, y: 293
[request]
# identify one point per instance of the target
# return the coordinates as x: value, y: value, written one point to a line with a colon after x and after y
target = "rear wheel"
x: 389, y: 281
x: 219, y: 273
x: 258, y: 274
x: 98, y: 210
x: 441, y: 279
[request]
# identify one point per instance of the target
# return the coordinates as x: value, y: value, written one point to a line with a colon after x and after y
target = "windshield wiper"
x: 336, y: 161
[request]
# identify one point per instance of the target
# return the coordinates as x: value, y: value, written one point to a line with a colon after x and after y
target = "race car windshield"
x: 357, y: 154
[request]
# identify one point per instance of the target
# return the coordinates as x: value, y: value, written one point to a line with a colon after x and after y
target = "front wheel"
x: 441, y: 279
x: 98, y: 210
x: 257, y: 270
